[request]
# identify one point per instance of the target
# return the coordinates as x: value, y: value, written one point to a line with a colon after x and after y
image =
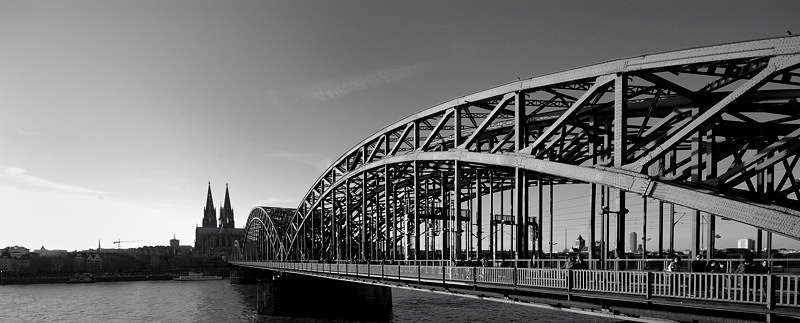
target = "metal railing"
x: 546, y: 278
x: 610, y: 281
x: 760, y: 289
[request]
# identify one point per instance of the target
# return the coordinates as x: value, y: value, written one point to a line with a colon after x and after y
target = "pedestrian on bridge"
x: 674, y: 266
x: 698, y: 265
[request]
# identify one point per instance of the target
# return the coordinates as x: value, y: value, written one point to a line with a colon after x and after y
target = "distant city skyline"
x: 116, y: 115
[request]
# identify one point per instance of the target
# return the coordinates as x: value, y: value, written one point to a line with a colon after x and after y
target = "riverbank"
x: 96, y: 278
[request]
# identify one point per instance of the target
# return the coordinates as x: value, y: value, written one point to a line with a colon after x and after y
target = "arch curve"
x: 700, y: 127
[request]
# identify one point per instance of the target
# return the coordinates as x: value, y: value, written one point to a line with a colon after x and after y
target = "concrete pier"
x: 304, y: 296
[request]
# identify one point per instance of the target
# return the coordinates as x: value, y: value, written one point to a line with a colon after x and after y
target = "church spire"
x: 227, y: 211
x: 227, y: 197
x: 209, y: 212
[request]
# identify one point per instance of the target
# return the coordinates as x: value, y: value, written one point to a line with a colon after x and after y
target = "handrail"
x: 770, y: 290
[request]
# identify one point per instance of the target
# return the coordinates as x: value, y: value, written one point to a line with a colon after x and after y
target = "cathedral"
x: 217, y: 241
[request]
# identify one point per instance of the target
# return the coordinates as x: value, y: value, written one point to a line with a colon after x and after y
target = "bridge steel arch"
x: 266, y: 235
x: 714, y: 129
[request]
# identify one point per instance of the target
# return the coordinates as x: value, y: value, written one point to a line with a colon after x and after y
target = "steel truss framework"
x: 714, y: 129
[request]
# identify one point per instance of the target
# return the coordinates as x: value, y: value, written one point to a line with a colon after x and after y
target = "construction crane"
x: 119, y: 242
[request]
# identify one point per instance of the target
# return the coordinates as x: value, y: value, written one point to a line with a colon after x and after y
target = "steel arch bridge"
x: 713, y: 129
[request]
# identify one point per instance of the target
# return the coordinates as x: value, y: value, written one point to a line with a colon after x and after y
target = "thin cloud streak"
x: 20, y: 175
x: 341, y: 88
x: 317, y: 161
x: 30, y: 133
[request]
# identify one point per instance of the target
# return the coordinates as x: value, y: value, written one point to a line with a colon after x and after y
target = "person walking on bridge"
x: 674, y: 266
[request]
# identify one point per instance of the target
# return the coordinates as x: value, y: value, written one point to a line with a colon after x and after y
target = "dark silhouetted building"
x: 212, y: 240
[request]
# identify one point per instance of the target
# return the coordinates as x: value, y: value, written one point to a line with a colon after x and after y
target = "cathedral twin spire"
x: 225, y: 212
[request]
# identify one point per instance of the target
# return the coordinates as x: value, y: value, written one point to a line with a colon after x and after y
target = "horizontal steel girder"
x: 776, y: 219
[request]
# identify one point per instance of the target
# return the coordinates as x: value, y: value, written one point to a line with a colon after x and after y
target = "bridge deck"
x: 746, y: 293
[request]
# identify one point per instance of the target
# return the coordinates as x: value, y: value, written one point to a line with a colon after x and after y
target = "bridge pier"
x: 292, y: 295
x: 245, y: 276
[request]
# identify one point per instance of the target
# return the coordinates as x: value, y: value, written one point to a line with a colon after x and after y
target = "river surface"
x: 219, y: 301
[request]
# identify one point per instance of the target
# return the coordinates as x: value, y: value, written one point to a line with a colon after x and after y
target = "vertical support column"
x: 407, y: 227
x: 550, y: 183
x: 526, y: 213
x: 387, y: 231
x: 313, y: 252
x: 334, y: 234
x: 710, y: 172
x: 457, y: 186
x: 672, y: 163
x: 660, y: 229
x: 608, y: 141
x: 520, y: 179
x: 415, y: 209
x: 387, y: 224
x: 592, y: 222
x: 522, y: 214
x: 697, y: 176
x: 603, y: 218
x: 621, y: 224
x: 395, y: 226
x: 479, y: 214
x: 457, y: 208
x: 759, y: 232
x: 428, y: 221
x: 337, y: 239
x: 322, y: 228
x: 364, y: 217
x: 593, y: 208
x: 348, y: 219
x: 502, y: 217
x: 468, y: 231
x: 492, y: 248
x: 770, y: 191
x: 539, y: 227
x: 416, y: 193
x: 620, y: 150
x: 662, y: 166
x: 511, y: 244
x: 445, y: 222
x: 375, y: 219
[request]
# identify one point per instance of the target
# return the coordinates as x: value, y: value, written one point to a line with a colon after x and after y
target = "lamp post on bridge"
x: 672, y: 232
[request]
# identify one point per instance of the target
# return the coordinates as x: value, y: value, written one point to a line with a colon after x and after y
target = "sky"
x: 115, y: 115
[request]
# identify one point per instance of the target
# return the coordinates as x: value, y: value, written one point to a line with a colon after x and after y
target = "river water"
x: 219, y: 301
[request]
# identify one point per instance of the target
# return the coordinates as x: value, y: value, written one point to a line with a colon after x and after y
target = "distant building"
x: 79, y: 263
x: 17, y: 251
x: 50, y: 253
x: 748, y: 244
x: 632, y: 242
x: 174, y: 243
x: 94, y: 263
x: 212, y: 240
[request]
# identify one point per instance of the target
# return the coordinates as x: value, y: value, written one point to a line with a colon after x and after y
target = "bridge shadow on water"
x: 421, y: 306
